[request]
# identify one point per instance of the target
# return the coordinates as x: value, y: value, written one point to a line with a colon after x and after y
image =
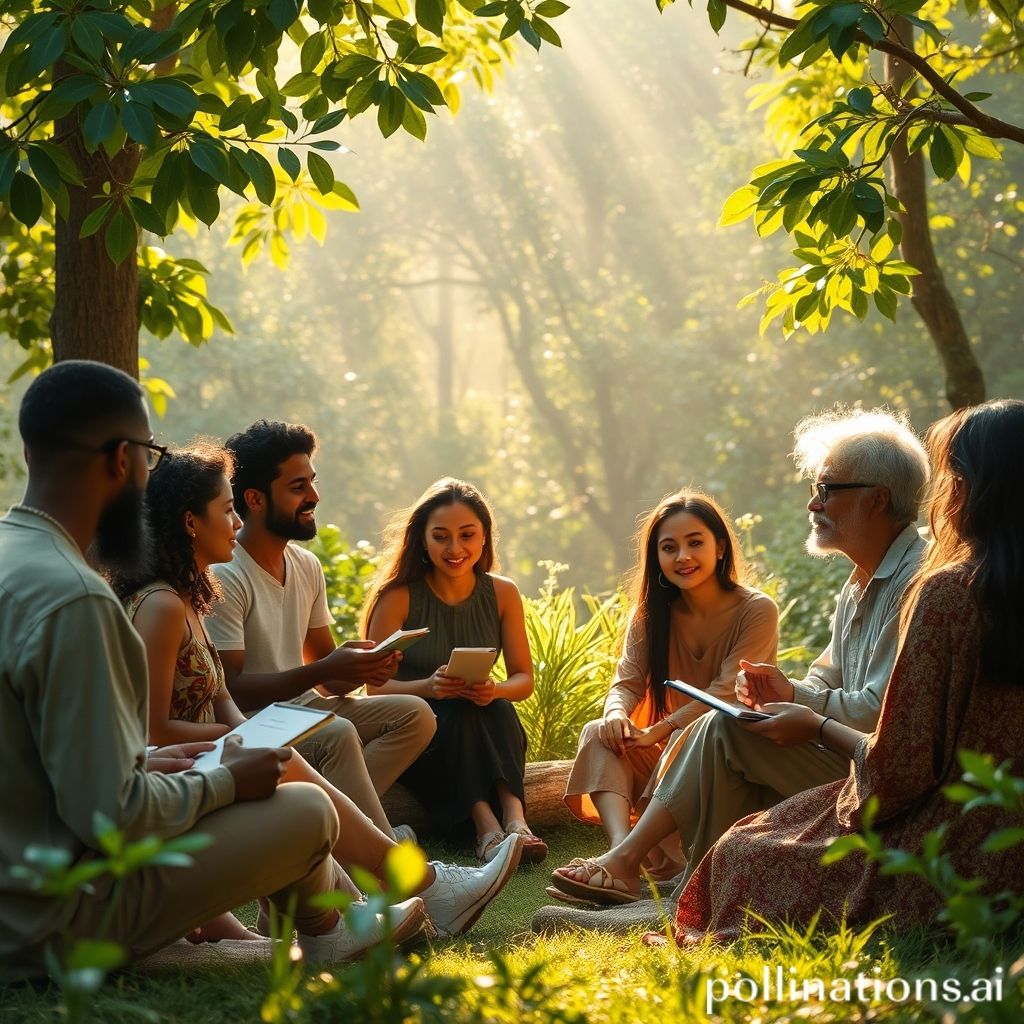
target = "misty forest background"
x: 539, y: 300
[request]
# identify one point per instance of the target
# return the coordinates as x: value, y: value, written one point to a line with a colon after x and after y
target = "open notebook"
x: 279, y: 725
x: 743, y: 714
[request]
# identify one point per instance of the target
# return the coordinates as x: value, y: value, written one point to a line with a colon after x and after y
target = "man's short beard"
x: 123, y: 545
x: 814, y: 547
x: 288, y: 528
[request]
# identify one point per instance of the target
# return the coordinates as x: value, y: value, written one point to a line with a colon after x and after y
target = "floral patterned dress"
x: 935, y: 704
x: 198, y: 673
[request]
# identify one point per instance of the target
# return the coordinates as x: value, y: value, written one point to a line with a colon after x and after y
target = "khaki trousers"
x: 368, y: 745
x: 725, y: 773
x: 279, y: 847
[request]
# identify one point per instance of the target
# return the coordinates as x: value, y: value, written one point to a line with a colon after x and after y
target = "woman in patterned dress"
x: 957, y: 685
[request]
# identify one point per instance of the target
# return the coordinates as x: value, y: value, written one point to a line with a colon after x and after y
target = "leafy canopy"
x: 212, y: 95
x: 839, y: 118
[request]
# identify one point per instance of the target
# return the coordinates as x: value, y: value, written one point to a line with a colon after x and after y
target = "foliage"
x: 348, y: 572
x: 978, y: 919
x: 829, y: 192
x: 206, y: 97
x: 80, y: 965
x: 572, y: 665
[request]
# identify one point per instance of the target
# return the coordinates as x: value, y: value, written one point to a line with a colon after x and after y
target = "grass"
x: 604, y: 979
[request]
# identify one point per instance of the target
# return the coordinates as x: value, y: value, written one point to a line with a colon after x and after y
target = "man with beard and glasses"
x: 868, y: 474
x: 273, y: 627
x: 73, y: 698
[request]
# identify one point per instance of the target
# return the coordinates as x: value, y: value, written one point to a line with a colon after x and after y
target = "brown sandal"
x: 534, y: 848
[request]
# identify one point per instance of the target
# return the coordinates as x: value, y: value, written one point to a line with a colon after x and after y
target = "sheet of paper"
x: 278, y: 725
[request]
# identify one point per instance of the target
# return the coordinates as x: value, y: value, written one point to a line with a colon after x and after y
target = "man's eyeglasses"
x: 154, y: 452
x: 822, y: 491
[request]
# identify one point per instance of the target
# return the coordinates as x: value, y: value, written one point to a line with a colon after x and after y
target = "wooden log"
x: 545, y: 786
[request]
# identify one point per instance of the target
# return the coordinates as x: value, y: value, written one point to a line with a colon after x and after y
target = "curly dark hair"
x: 186, y: 480
x: 259, y: 451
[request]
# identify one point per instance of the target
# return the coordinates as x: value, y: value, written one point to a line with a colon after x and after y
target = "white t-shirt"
x: 266, y: 619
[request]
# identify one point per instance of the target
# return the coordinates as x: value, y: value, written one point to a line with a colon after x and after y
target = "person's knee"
x: 304, y: 812
x: 590, y: 736
x: 416, y: 720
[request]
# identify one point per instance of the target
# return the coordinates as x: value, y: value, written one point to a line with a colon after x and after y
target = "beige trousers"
x: 725, y: 773
x: 368, y: 745
x: 279, y: 847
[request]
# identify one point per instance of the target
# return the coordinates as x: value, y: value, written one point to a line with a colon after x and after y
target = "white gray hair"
x: 877, y: 447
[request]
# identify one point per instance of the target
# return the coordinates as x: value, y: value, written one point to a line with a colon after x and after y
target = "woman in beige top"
x: 692, y: 620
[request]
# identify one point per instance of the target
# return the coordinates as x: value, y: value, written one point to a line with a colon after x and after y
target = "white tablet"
x: 471, y: 664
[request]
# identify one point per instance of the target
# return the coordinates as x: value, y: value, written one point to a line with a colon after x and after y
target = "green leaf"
x: 981, y: 145
x: 809, y: 30
x: 289, y: 162
x: 205, y: 204
x: 99, y: 123
x: 139, y: 123
x: 261, y: 172
x: 282, y: 13
x: 391, y: 111
x: 26, y: 199
x: 211, y: 159
x: 860, y: 99
x: 43, y: 168
x: 546, y: 32
x: 740, y: 205
x: 94, y: 221
x: 426, y: 55
x: 490, y: 10
x: 716, y: 14
x: 321, y: 172
x: 346, y: 195
x: 147, y: 217
x: 45, y: 51
x: 549, y: 8
x: 414, y: 122
x: 886, y: 302
x: 430, y: 15
x: 356, y: 65
x: 68, y: 168
x: 121, y: 237
x: 327, y: 122
x: 940, y: 153
x: 1004, y: 839
x: 312, y: 52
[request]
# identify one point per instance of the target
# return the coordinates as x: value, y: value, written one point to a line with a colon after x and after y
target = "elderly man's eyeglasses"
x: 822, y: 491
x: 154, y: 452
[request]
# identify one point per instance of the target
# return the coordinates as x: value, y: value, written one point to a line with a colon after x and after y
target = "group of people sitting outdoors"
x: 151, y: 598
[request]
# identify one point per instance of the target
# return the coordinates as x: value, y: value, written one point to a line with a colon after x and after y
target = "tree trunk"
x: 965, y: 383
x: 96, y: 304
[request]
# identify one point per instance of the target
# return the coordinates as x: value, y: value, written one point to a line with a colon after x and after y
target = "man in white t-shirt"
x: 273, y: 627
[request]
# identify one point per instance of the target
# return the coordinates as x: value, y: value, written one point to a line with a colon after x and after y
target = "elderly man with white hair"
x: 868, y: 474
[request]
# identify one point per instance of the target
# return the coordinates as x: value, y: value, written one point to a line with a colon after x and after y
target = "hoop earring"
x: 425, y: 558
x: 663, y: 581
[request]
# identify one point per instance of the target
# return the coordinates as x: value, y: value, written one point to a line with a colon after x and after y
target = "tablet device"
x: 471, y: 664
x: 741, y: 713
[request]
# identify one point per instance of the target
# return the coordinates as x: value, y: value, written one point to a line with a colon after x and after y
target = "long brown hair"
x: 652, y: 601
x: 975, y: 517
x: 405, y: 556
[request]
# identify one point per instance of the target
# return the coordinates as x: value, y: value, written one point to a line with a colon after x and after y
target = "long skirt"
x: 473, y: 750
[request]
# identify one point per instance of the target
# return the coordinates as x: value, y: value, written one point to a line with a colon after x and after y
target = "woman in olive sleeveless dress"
x: 436, y: 573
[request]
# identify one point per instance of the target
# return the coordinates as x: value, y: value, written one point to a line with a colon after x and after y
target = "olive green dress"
x: 474, y: 747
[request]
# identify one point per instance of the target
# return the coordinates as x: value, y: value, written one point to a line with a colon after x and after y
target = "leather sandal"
x: 534, y: 848
x: 601, y: 886
x: 487, y: 846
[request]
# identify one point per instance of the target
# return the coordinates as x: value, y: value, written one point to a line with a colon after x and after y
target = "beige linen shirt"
x: 74, y: 692
x: 750, y: 631
x: 848, y: 679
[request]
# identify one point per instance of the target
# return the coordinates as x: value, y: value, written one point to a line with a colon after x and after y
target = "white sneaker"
x: 407, y: 920
x: 404, y: 834
x: 458, y: 895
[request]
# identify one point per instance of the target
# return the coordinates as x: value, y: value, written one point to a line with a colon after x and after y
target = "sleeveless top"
x: 471, y: 623
x: 198, y: 673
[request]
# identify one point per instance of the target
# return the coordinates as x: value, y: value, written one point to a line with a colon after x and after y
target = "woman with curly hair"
x: 194, y: 526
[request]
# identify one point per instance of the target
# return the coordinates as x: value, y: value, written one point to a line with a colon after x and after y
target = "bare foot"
x: 226, y: 926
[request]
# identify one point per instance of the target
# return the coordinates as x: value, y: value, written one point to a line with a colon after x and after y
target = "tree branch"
x: 985, y: 123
